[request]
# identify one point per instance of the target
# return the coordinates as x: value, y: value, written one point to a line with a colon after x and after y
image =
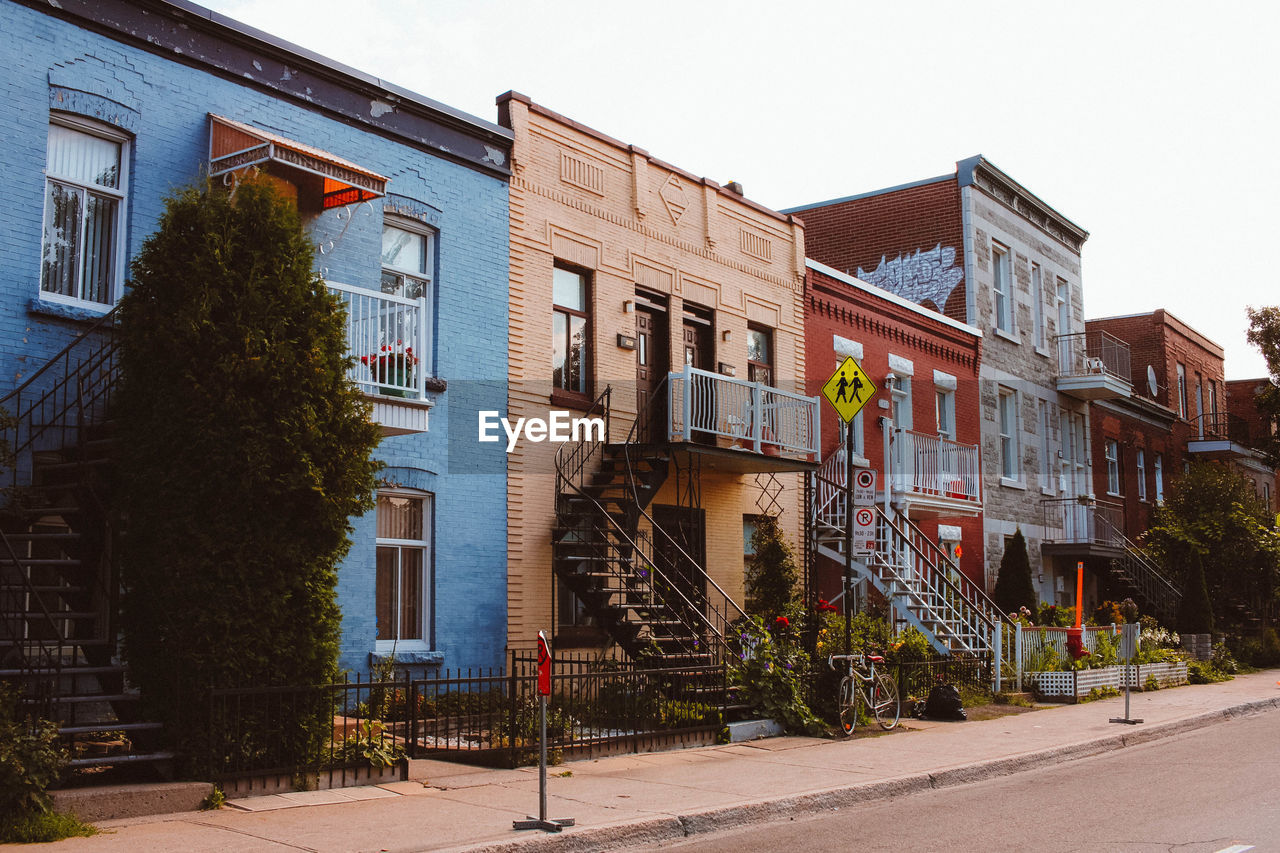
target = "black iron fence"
x: 335, y: 734
x: 916, y: 678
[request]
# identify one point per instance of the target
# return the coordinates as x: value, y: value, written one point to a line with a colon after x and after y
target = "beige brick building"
x: 633, y: 277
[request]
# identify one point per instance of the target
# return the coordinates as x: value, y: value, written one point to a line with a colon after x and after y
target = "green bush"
x: 771, y: 574
x: 248, y: 450
x: 771, y: 669
x: 1195, y: 615
x: 31, y: 760
x: 1013, y: 584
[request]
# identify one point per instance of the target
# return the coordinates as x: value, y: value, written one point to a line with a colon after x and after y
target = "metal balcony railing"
x: 755, y: 416
x: 390, y: 339
x: 1083, y: 521
x: 1093, y: 353
x: 935, y: 466
x: 1220, y: 426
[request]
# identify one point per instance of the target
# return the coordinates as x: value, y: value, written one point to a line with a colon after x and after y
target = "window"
x: 1037, y: 304
x: 1182, y: 391
x: 1112, y: 451
x: 946, y: 414
x: 1008, y: 413
x: 570, y: 332
x: 1075, y: 450
x: 1001, y: 284
x: 1200, y: 405
x: 86, y: 179
x: 1213, y: 401
x: 1140, y: 457
x: 408, y: 266
x: 1046, y: 447
x: 1159, y: 471
x: 1266, y: 496
x: 1064, y: 307
x: 900, y: 400
x: 404, y: 570
x: 759, y: 354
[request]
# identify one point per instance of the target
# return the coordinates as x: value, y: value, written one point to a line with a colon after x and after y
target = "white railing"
x: 935, y: 466
x: 389, y: 337
x: 755, y: 416
x: 1093, y: 353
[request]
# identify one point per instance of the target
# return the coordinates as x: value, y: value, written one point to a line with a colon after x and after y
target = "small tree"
x: 1195, y: 615
x: 1264, y: 333
x: 244, y: 451
x: 1013, y: 584
x: 771, y: 571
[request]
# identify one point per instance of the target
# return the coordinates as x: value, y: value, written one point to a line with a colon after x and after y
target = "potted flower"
x: 392, y: 366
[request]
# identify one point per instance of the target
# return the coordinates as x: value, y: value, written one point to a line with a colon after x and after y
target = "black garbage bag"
x: 944, y: 703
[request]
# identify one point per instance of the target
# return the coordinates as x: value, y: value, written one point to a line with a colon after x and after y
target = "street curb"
x: 674, y: 827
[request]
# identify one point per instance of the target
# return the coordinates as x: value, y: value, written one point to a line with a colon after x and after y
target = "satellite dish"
x: 1274, y: 381
x: 1151, y: 380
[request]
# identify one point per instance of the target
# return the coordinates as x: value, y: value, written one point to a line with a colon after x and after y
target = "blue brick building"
x: 107, y: 106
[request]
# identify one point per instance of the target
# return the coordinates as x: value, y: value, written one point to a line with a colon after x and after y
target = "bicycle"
x: 882, y: 699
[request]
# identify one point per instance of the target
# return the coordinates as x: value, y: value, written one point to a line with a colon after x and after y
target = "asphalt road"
x: 1215, y: 789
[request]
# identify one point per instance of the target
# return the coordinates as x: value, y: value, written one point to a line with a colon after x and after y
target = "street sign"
x: 864, y: 487
x: 544, y: 665
x: 864, y: 529
x: 848, y: 389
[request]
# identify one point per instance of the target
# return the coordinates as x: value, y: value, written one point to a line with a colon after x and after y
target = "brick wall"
x: 891, y: 237
x: 838, y: 308
x: 164, y: 106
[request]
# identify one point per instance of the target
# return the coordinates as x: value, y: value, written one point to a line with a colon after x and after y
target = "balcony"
x: 1221, y: 435
x: 935, y: 475
x: 1083, y: 527
x: 386, y: 333
x: 741, y: 426
x: 1093, y: 366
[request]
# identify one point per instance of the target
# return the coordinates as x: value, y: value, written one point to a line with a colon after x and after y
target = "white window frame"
x: 1140, y: 458
x: 426, y: 545
x: 1159, y: 471
x: 899, y: 400
x: 1002, y: 287
x: 1064, y: 306
x: 1111, y: 451
x: 1046, y: 447
x: 1037, y: 298
x: 1010, y: 443
x: 120, y: 194
x: 945, y: 403
x: 425, y: 277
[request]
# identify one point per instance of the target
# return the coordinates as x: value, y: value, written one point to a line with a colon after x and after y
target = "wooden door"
x: 651, y: 367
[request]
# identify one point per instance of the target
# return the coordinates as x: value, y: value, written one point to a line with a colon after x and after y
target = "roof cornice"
x: 198, y: 37
x: 982, y: 173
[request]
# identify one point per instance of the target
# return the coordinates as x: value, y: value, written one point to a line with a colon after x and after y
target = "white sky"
x: 1151, y: 125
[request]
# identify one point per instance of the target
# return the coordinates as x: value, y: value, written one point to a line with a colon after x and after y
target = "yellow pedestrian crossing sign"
x: 848, y: 389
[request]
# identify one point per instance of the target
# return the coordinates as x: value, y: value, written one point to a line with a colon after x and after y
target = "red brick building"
x: 1250, y: 427
x: 924, y: 417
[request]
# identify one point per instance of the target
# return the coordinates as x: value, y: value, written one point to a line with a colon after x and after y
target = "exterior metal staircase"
x: 58, y: 579
x: 1154, y: 592
x: 637, y: 579
x: 925, y: 588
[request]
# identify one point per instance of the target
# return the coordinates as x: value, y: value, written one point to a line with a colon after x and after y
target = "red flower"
x: 782, y: 622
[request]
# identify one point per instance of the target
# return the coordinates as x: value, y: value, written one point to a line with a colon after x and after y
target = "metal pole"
x: 542, y: 759
x: 848, y: 536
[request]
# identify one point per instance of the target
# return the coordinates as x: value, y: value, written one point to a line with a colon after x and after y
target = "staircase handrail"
x: 633, y: 435
x: 572, y: 480
x: 572, y: 458
x: 20, y: 416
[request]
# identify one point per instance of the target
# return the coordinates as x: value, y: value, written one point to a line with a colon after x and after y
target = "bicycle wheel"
x: 885, y: 702
x: 848, y: 705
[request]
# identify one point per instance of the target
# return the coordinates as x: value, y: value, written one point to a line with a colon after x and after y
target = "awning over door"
x: 337, y: 182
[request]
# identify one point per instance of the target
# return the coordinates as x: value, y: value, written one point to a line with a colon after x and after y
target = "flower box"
x: 1078, y: 683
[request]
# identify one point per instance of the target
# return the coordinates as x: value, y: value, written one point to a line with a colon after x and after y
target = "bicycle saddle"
x: 875, y: 658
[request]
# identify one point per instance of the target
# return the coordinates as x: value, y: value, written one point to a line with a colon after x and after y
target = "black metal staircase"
x: 637, y: 579
x: 58, y: 580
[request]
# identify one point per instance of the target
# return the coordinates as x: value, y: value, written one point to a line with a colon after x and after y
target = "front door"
x: 699, y: 352
x: 651, y: 367
x: 687, y: 528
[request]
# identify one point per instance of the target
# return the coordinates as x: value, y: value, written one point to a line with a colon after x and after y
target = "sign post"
x: 544, y: 690
x: 848, y: 390
x: 1129, y: 650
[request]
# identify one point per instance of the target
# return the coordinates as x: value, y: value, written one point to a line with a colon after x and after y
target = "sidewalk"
x: 634, y: 799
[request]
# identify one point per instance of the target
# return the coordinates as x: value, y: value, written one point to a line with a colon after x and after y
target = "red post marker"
x: 544, y: 665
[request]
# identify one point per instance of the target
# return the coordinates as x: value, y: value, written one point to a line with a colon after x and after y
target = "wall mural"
x: 926, y: 277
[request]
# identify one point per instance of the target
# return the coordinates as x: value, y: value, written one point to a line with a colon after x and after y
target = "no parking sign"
x: 864, y: 529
